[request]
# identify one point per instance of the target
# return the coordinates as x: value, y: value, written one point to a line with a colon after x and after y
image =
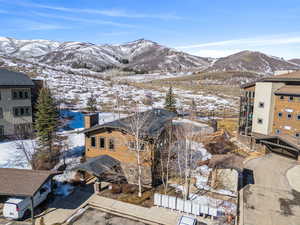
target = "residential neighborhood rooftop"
x: 151, y: 122
x: 11, y: 78
x: 21, y: 182
x: 288, y: 90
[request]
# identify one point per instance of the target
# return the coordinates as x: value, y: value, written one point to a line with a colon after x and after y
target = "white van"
x: 18, y: 207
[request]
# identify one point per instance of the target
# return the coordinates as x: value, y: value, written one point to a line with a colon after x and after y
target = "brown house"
x: 140, y: 135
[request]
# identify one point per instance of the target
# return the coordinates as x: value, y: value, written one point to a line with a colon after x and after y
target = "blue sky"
x: 212, y: 28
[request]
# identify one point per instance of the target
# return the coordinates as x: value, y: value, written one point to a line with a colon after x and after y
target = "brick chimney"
x: 91, y: 120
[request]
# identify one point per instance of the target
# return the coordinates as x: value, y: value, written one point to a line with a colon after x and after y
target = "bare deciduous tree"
x: 23, y: 132
x: 137, y: 123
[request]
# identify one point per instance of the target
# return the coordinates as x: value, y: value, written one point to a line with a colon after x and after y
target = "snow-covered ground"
x: 150, y: 77
x: 12, y: 155
x: 76, y: 89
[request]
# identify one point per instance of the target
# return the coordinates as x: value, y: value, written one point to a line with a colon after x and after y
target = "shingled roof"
x: 98, y: 165
x: 12, y: 79
x: 20, y: 182
x: 151, y: 123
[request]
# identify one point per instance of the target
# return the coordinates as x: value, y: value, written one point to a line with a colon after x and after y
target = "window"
x: 297, y: 135
x: 1, y: 131
x: 261, y: 105
x: 277, y: 131
x: 102, y: 142
x: 111, y: 144
x: 20, y: 93
x: 1, y: 113
x: 281, y: 97
x: 280, y: 114
x: 291, y: 98
x: 23, y: 130
x: 259, y: 121
x: 93, y: 141
x: 43, y: 190
x: 21, y: 111
x: 298, y: 117
x: 289, y: 116
x: 132, y: 145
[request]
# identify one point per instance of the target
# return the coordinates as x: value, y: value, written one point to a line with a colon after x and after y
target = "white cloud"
x: 24, y: 24
x: 106, y: 12
x: 259, y: 41
x: 83, y: 20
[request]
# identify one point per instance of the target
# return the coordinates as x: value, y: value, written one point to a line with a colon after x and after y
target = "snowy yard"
x: 12, y: 155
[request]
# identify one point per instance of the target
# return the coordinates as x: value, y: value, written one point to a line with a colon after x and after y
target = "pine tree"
x: 170, y: 101
x: 92, y: 104
x: 47, y: 119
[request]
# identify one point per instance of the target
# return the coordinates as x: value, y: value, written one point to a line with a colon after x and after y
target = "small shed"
x: 23, y: 182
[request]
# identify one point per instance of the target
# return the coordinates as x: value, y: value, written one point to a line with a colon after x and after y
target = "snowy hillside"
x: 141, y: 55
x: 253, y: 62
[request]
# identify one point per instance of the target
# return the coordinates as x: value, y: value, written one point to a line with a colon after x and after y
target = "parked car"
x: 17, y: 207
x: 187, y: 220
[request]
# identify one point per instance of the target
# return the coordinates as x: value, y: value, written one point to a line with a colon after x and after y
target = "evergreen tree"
x: 47, y: 119
x: 92, y: 104
x: 170, y: 101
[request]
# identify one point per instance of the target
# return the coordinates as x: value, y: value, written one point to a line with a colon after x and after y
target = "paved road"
x: 270, y: 200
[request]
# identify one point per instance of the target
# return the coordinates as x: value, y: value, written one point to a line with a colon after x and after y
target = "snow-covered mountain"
x: 252, y: 62
x: 140, y: 55
x: 296, y: 61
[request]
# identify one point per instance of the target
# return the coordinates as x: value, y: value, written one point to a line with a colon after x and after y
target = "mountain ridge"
x: 139, y: 56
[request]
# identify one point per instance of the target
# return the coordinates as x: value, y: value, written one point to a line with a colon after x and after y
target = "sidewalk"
x: 154, y: 215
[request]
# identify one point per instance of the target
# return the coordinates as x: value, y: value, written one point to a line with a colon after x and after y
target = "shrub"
x: 116, y: 189
x: 129, y: 188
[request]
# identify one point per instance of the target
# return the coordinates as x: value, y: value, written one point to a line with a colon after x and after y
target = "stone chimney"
x: 91, y: 120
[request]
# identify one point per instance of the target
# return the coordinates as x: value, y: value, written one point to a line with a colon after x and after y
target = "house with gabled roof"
x: 121, y: 139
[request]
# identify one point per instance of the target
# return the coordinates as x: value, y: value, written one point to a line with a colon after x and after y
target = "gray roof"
x: 151, y: 123
x: 98, y: 165
x: 10, y: 78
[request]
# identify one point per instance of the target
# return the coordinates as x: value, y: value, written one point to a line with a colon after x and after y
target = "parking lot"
x: 270, y: 200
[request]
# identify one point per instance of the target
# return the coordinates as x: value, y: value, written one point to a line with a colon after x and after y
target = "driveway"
x: 270, y: 200
x: 63, y: 207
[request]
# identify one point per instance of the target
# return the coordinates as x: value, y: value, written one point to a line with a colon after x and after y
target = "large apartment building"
x: 270, y: 113
x: 17, y: 92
